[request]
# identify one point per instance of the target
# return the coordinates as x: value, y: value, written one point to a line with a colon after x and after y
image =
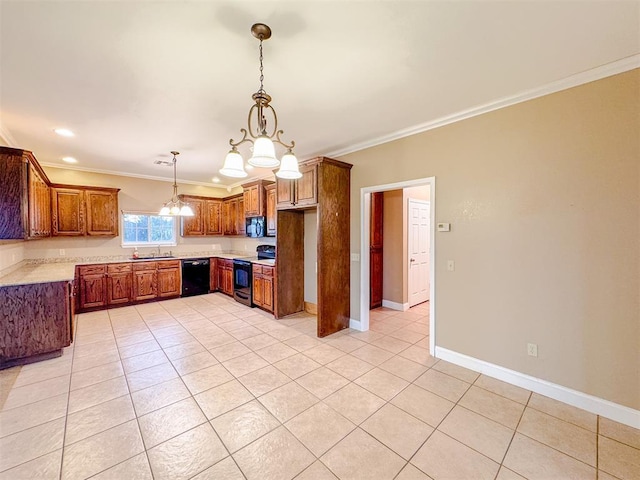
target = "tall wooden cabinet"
x: 325, y: 186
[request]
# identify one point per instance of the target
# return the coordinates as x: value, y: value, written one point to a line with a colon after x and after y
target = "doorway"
x: 418, y: 246
x: 428, y: 283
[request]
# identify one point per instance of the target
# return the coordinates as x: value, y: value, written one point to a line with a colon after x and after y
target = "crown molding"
x: 603, y: 71
x: 131, y: 175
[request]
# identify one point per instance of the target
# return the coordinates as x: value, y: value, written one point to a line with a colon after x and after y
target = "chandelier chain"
x: 261, y: 68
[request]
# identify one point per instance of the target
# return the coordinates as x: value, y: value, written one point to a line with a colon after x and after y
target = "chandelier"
x: 259, y: 134
x: 175, y: 206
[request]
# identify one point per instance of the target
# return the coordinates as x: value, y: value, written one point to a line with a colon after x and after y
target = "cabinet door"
x: 271, y: 212
x: 284, y: 193
x: 307, y: 186
x: 193, y: 226
x: 221, y: 275
x: 145, y: 285
x: 67, y: 207
x: 39, y: 204
x: 213, y: 217
x: 102, y: 213
x: 93, y: 291
x: 168, y: 282
x: 213, y: 274
x: 267, y: 301
x: 230, y: 210
x: 241, y: 226
x: 118, y: 288
x: 258, y: 290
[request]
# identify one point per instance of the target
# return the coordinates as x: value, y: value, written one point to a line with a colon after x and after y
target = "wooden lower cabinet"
x: 119, y: 280
x: 169, y: 279
x: 145, y: 281
x: 36, y: 320
x: 225, y: 276
x: 92, y: 286
x: 213, y: 274
x: 263, y: 276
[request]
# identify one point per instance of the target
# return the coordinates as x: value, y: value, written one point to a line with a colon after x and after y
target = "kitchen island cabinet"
x: 37, y: 321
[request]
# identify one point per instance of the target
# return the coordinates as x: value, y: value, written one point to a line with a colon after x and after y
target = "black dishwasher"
x: 195, y: 276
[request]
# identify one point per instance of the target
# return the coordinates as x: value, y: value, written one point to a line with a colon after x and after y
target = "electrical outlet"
x: 13, y: 258
x: 451, y: 265
x: 62, y: 252
x: 355, y: 257
x: 532, y: 349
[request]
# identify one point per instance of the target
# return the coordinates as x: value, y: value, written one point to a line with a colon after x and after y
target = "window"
x: 140, y: 229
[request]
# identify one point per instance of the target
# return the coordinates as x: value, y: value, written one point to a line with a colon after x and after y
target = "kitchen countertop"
x: 43, y: 271
x: 39, y: 273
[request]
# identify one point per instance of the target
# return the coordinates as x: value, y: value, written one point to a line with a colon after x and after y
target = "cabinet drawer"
x: 257, y: 269
x: 144, y: 266
x: 267, y: 271
x: 169, y: 264
x: 118, y: 268
x: 92, y: 269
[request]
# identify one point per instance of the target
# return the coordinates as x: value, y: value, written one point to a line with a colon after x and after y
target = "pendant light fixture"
x: 175, y: 206
x: 259, y: 134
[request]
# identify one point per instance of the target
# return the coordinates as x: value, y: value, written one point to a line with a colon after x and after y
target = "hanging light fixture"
x: 258, y: 134
x: 175, y: 206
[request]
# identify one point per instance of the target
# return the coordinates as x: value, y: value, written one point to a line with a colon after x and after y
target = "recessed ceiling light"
x: 69, y: 160
x: 215, y: 180
x: 64, y: 132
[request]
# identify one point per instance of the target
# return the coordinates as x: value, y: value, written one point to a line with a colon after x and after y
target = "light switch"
x: 444, y: 227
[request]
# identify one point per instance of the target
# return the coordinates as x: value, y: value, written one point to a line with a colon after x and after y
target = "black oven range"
x: 242, y: 274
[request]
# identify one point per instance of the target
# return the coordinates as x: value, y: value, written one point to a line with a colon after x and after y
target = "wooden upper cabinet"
x: 213, y: 217
x: 39, y: 204
x: 270, y: 200
x: 230, y: 215
x: 241, y: 224
x: 84, y: 211
x: 67, y: 208
x: 25, y: 196
x: 193, y: 226
x: 254, y: 198
x: 299, y: 193
x: 102, y: 212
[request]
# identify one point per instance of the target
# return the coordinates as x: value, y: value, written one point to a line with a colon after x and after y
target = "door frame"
x: 365, y: 213
x: 407, y: 260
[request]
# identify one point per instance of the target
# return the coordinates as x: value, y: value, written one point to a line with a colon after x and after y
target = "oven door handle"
x: 242, y: 295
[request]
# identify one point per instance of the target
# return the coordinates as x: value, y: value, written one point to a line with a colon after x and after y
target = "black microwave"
x: 256, y: 227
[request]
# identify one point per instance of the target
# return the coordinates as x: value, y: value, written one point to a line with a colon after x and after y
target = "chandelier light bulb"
x: 289, y: 167
x: 233, y: 166
x: 264, y: 153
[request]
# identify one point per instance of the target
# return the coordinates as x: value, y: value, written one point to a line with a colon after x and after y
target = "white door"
x: 418, y: 248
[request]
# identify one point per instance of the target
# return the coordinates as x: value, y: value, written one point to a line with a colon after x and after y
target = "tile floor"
x: 206, y: 388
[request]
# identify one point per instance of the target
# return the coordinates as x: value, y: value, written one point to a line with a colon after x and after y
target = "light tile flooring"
x: 206, y: 388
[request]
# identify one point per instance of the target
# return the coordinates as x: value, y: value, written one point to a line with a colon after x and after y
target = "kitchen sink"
x: 148, y: 257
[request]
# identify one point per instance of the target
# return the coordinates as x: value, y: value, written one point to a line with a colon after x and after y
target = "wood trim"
x: 311, y: 308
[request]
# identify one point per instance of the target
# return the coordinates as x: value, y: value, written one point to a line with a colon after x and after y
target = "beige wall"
x: 11, y: 253
x: 310, y: 256
x: 543, y: 199
x: 135, y: 194
x: 394, y: 240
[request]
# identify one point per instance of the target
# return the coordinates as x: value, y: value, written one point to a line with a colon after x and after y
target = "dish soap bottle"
x: 135, y: 252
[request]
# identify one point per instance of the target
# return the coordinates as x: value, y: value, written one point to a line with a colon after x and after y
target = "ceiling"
x: 137, y: 79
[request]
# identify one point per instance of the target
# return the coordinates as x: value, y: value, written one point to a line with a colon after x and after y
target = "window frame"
x: 125, y: 244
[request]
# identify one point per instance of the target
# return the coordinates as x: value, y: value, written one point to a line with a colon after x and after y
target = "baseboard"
x: 596, y: 405
x: 403, y: 307
x: 355, y: 324
x: 311, y: 308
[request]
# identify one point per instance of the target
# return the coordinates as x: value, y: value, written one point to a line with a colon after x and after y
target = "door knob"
x: 413, y: 260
